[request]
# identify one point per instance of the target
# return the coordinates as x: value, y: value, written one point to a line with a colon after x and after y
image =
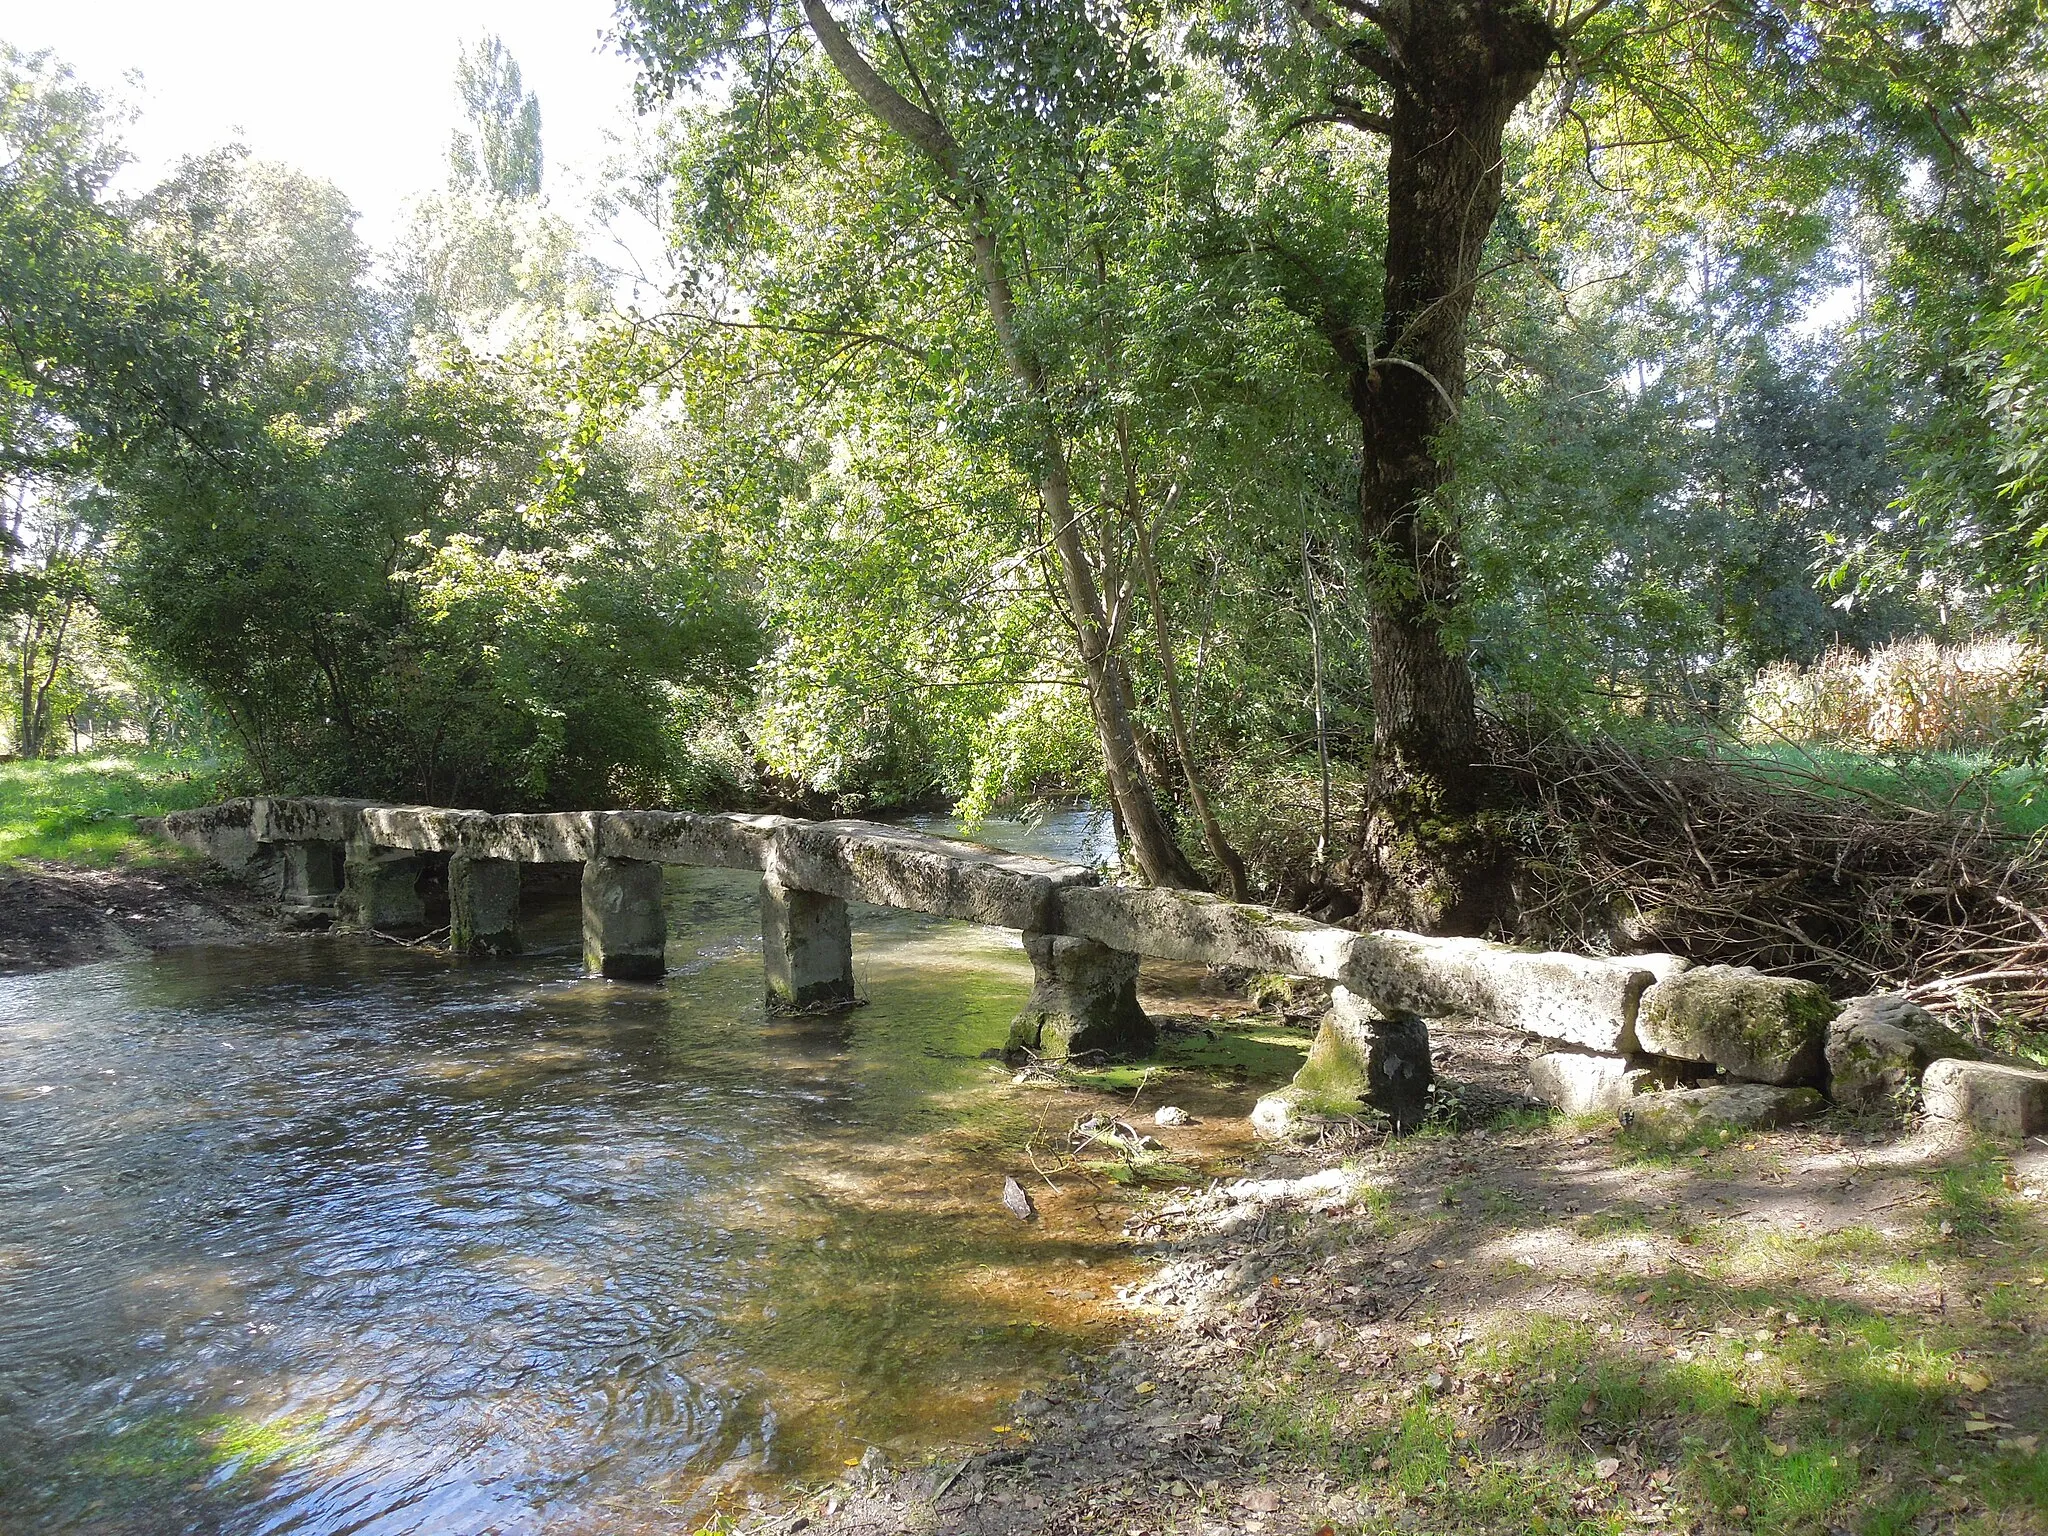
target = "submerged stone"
x: 1764, y: 1029
x: 1676, y: 1116
x: 1084, y: 997
x: 1362, y: 1059
x: 1878, y: 1046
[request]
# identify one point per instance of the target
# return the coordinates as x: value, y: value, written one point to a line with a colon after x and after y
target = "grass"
x: 1964, y: 782
x: 1768, y: 1386
x: 79, y: 810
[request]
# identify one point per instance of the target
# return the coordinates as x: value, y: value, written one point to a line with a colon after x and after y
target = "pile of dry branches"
x: 1779, y: 869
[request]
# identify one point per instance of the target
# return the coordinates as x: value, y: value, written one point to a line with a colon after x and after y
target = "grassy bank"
x: 81, y: 810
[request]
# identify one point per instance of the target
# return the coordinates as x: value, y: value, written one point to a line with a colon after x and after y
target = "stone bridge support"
x: 309, y: 887
x: 1084, y: 997
x: 483, y: 905
x: 807, y: 942
x: 625, y: 930
x: 380, y: 890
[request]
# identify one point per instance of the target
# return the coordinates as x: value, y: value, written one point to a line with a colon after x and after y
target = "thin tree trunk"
x: 1158, y: 855
x: 1226, y: 857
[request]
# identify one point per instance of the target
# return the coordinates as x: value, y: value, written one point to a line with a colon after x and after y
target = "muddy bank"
x: 55, y: 915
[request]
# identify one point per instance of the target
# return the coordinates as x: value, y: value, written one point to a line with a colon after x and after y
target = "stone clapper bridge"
x: 358, y: 863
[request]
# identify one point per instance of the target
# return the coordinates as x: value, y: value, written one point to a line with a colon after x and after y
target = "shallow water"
x: 324, y: 1236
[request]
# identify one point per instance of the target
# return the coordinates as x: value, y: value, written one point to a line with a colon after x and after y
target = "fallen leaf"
x: 1977, y: 1426
x: 1261, y: 1501
x: 1778, y: 1450
x: 2024, y: 1444
x: 1606, y: 1467
x: 1147, y: 1386
x: 1972, y: 1381
x: 1380, y: 1463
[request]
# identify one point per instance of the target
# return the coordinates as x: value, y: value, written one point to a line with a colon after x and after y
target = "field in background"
x: 1914, y: 695
x: 80, y: 810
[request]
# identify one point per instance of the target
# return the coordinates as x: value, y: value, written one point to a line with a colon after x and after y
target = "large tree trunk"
x: 1463, y: 66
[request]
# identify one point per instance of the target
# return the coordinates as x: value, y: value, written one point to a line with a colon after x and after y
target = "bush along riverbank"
x: 1515, y: 1320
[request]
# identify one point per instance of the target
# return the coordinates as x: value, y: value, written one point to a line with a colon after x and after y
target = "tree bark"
x: 1152, y: 842
x: 1457, y: 70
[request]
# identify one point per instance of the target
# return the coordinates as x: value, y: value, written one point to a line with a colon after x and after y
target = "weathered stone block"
x: 1362, y: 1057
x: 483, y: 905
x: 1878, y: 1046
x: 1987, y: 1096
x: 902, y: 867
x: 1584, y: 1000
x: 1084, y: 997
x: 380, y: 890
x: 1188, y: 925
x: 224, y: 833
x: 732, y: 841
x: 807, y: 941
x: 1586, y: 1082
x: 558, y: 837
x: 1728, y: 1108
x: 307, y: 818
x: 1765, y: 1029
x: 309, y: 883
x: 625, y: 928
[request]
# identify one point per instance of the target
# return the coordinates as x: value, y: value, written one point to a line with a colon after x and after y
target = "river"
x: 330, y: 1236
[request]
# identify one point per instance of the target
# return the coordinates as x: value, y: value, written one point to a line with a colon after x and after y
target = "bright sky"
x: 360, y: 92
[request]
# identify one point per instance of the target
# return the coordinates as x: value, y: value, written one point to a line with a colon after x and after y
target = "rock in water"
x: 1018, y: 1200
x: 1169, y: 1115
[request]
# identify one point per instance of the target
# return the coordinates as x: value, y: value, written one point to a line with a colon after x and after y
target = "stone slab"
x: 559, y: 837
x: 1584, y: 1000
x: 1726, y: 1109
x: 1763, y: 1029
x: 1590, y: 1082
x: 1188, y: 925
x: 306, y: 818
x: 728, y: 841
x: 902, y: 867
x: 224, y: 833
x: 1987, y: 1096
x: 380, y: 890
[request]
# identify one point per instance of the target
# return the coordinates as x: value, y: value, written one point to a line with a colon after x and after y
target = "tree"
x: 990, y: 117
x: 499, y: 152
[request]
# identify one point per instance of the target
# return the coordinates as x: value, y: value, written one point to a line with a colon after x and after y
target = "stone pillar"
x: 380, y: 890
x: 625, y: 930
x: 1084, y: 997
x: 807, y: 942
x: 483, y: 905
x: 309, y: 883
x: 1362, y: 1059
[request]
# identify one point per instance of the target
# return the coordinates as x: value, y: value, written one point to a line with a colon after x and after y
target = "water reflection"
x: 320, y: 1236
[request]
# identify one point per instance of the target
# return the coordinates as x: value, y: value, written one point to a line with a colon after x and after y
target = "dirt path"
x: 54, y: 915
x: 1535, y: 1326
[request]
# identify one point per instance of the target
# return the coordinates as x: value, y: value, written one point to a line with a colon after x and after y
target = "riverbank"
x: 1531, y: 1324
x: 54, y: 915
